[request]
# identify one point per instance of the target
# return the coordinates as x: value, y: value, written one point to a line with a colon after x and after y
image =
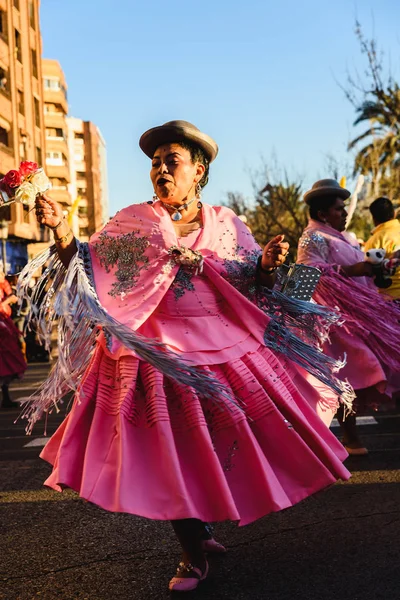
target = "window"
x: 38, y: 155
x: 80, y: 175
x: 78, y: 136
x: 55, y: 159
x: 81, y: 193
x: 3, y: 80
x: 3, y: 136
x: 18, y: 49
x: 52, y: 84
x: 22, y: 150
x: 82, y: 211
x: 16, y: 4
x: 3, y: 23
x: 32, y: 16
x: 51, y: 108
x: 34, y: 63
x: 84, y: 231
x: 59, y: 183
x: 37, y: 111
x: 21, y: 103
x: 54, y: 132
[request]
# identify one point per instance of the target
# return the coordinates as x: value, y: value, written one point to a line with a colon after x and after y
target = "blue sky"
x: 257, y: 75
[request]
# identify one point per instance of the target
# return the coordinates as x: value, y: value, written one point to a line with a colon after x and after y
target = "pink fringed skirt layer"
x: 137, y: 443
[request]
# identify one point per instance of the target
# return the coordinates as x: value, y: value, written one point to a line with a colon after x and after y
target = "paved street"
x: 343, y: 544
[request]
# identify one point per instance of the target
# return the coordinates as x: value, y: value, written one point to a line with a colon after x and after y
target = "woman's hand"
x: 48, y: 212
x: 360, y: 269
x: 274, y: 254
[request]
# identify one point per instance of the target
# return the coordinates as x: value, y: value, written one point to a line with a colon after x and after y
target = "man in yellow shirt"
x: 385, y: 235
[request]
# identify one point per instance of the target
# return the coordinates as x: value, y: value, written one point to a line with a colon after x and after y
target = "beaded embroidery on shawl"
x: 191, y: 263
x: 182, y: 283
x: 240, y: 271
x: 315, y: 241
x: 127, y: 253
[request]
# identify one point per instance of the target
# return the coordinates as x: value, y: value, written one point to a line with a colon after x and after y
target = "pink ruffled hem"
x: 139, y: 443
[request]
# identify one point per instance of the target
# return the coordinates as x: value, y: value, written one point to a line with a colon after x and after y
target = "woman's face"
x: 336, y: 215
x: 173, y: 175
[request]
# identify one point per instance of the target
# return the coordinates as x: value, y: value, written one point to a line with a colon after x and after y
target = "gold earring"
x: 198, y: 196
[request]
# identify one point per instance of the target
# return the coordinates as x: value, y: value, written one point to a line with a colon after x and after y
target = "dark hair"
x: 382, y: 210
x: 197, y: 155
x: 323, y: 203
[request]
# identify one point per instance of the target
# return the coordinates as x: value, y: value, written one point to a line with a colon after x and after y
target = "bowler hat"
x: 326, y: 187
x: 177, y: 131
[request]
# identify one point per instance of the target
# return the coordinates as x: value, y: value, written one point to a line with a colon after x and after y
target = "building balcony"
x: 56, y: 97
x: 24, y: 226
x: 58, y: 171
x: 55, y: 120
x: 57, y: 144
x: 60, y: 195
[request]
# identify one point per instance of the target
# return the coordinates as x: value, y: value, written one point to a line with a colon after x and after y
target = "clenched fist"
x: 274, y: 254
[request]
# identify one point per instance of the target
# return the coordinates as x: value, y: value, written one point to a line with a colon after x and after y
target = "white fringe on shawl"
x: 69, y: 297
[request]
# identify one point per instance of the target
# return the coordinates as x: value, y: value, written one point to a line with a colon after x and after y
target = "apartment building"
x: 21, y: 118
x: 88, y: 170
x: 57, y: 162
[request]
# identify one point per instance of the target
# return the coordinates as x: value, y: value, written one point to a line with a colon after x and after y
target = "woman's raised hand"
x: 274, y: 254
x: 48, y: 212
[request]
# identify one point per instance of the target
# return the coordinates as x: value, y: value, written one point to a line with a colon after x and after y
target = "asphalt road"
x: 341, y: 544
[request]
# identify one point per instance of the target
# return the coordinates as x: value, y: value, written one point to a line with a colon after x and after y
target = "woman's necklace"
x: 176, y: 215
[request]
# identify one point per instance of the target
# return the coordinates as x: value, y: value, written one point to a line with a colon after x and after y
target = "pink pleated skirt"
x: 139, y: 443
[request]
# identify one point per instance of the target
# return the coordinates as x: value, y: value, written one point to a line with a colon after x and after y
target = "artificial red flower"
x: 13, y: 178
x: 27, y: 168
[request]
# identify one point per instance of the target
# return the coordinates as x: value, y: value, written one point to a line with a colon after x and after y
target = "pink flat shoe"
x: 213, y: 547
x: 189, y: 582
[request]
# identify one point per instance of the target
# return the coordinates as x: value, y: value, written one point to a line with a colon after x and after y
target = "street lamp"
x: 3, y: 238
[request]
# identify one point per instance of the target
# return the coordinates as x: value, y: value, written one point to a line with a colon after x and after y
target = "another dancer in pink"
x: 12, y: 362
x: 371, y: 333
x: 221, y: 429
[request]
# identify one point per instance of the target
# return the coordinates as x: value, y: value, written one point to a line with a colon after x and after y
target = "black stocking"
x: 190, y: 534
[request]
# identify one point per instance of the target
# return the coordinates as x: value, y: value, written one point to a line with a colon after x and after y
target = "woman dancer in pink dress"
x: 213, y: 420
x: 12, y: 362
x: 371, y: 333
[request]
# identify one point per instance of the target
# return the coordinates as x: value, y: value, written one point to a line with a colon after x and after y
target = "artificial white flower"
x: 40, y: 181
x: 25, y: 193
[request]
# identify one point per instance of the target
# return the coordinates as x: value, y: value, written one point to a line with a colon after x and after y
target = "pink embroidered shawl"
x: 133, y: 269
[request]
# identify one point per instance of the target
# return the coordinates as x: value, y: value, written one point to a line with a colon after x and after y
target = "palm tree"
x: 382, y: 152
x: 380, y: 108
